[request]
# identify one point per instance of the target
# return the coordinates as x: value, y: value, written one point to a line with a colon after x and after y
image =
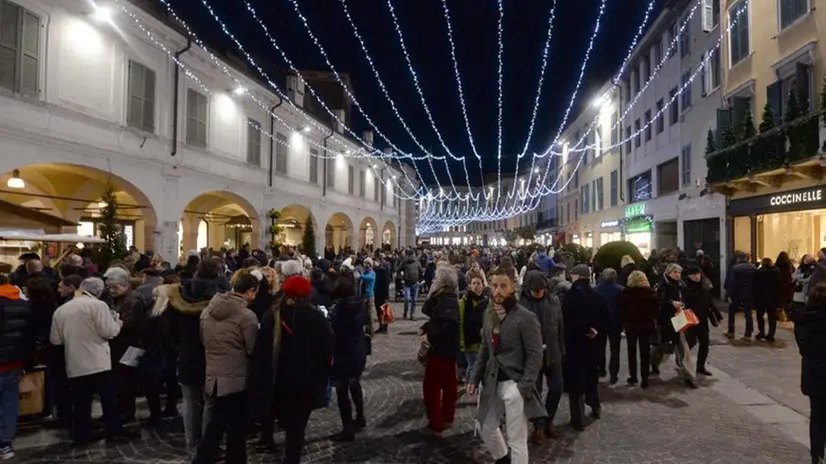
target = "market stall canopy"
x: 28, y: 236
x: 11, y: 210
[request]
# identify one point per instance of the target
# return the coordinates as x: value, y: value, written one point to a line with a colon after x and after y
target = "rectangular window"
x: 376, y: 187
x: 710, y: 14
x: 714, y: 62
x: 685, y: 97
x: 600, y: 195
x: 614, y: 188
x: 672, y: 47
x: 628, y: 140
x: 791, y: 11
x: 668, y: 177
x: 639, y: 187
x: 674, y: 113
x: 739, y: 33
x: 19, y: 49
x: 597, y: 142
x: 576, y: 178
x: 685, y: 40
x: 331, y: 174
x: 576, y: 210
x: 638, y: 134
x: 351, y: 180
x: 314, y: 166
x: 646, y: 69
x: 648, y: 125
x: 253, y: 142
x: 632, y: 79
x: 196, y: 119
x: 686, y: 165
x: 281, y: 152
x: 660, y: 116
x: 658, y: 52
x: 615, y: 127
x: 568, y: 212
x: 362, y: 183
x: 140, y: 107
x: 586, y: 201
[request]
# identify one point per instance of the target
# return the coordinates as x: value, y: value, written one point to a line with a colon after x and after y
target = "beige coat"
x: 228, y: 331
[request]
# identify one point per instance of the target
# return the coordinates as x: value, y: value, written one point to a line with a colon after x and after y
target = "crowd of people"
x: 245, y: 341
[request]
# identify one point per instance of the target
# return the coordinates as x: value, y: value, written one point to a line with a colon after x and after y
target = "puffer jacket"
x: 18, y: 339
x: 810, y: 333
x: 181, y: 306
x: 228, y: 330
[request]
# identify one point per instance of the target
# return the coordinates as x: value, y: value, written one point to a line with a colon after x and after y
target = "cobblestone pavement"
x: 665, y: 424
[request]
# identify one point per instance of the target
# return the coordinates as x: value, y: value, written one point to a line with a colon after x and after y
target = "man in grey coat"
x: 508, y: 365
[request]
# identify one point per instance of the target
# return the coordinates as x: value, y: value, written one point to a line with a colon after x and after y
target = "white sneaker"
x: 6, y: 453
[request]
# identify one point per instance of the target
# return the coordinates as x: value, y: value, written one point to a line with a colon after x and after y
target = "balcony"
x: 767, y: 158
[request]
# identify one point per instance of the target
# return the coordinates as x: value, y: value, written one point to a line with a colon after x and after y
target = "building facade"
x: 194, y: 159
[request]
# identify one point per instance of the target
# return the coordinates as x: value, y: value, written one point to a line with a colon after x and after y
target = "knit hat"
x: 296, y: 287
x: 581, y: 270
x: 368, y: 262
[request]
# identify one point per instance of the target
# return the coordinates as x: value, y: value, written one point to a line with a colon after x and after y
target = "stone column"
x: 217, y: 232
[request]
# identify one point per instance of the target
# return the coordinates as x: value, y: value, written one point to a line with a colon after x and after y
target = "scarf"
x: 498, y: 315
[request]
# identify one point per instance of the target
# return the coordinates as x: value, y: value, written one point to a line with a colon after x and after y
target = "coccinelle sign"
x: 795, y: 200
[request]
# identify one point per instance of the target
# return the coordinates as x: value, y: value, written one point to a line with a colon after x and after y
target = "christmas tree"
x: 768, y: 119
x: 114, y: 246
x: 308, y: 241
x: 748, y: 131
x: 710, y: 144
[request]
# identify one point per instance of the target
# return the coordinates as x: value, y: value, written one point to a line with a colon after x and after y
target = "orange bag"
x: 387, y: 316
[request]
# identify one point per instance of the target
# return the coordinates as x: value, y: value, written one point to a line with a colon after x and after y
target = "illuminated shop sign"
x: 798, y: 197
x: 608, y: 224
x: 635, y: 210
x: 794, y: 200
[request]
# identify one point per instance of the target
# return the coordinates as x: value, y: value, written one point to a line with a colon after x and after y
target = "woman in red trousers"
x: 441, y: 332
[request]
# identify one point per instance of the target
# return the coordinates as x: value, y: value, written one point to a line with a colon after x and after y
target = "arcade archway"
x: 219, y: 219
x: 338, y: 232
x: 369, y: 233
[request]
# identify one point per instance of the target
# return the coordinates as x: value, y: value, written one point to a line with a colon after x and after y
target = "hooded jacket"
x: 17, y: 342
x: 181, y: 306
x: 228, y: 330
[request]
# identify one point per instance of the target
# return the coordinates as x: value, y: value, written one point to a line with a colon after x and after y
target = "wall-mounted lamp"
x: 15, y: 181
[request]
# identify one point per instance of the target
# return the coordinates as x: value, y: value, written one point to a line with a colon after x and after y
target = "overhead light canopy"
x: 15, y: 181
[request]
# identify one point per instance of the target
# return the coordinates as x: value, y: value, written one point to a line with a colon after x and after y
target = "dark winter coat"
x: 818, y: 275
x: 548, y: 310
x: 17, y: 338
x: 768, y: 291
x: 299, y: 366
x: 669, y: 291
x: 347, y: 320
x: 383, y: 279
x: 741, y: 285
x: 134, y: 313
x: 610, y: 292
x: 412, y: 271
x: 442, y: 329
x: 810, y: 333
x: 639, y: 309
x: 622, y: 277
x: 471, y: 319
x: 182, y: 316
x: 697, y: 298
x: 263, y: 299
x: 582, y: 309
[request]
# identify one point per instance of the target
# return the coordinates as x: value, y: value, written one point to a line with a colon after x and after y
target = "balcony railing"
x: 777, y: 148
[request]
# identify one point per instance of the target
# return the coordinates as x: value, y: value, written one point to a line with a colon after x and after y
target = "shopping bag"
x: 387, y: 316
x: 684, y: 320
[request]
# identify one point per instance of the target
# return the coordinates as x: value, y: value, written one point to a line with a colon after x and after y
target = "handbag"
x: 425, y: 349
x: 387, y: 316
x: 684, y: 320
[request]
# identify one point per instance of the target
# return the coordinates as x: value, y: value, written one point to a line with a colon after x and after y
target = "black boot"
x: 505, y: 460
x: 347, y: 434
x: 358, y: 400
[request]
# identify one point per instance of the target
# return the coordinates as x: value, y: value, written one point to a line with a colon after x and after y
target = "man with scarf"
x: 546, y: 306
x: 508, y: 364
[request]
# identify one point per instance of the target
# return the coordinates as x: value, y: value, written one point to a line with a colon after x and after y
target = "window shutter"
x: 148, y: 123
x: 9, y: 15
x: 708, y: 15
x: 775, y: 100
x: 803, y: 86
x: 739, y: 106
x: 133, y: 114
x: 28, y: 60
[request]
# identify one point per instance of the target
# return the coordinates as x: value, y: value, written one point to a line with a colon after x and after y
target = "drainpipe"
x: 176, y: 91
x: 621, y: 178
x: 326, y: 163
x: 272, y: 137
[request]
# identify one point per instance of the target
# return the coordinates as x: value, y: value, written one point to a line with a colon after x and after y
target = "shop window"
x: 668, y: 177
x: 639, y: 187
x: 791, y: 10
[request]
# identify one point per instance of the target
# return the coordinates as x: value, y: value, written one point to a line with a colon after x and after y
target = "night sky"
x: 425, y: 31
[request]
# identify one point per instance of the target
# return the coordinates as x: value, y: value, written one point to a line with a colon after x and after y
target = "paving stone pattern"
x: 665, y: 424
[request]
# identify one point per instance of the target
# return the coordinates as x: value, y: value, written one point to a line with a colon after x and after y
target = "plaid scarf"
x: 497, y: 316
